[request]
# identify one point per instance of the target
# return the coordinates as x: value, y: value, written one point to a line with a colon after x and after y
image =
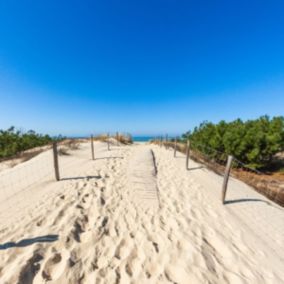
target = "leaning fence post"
x: 175, y: 150
x: 226, y: 177
x: 55, y: 160
x: 108, y: 142
x: 187, y: 153
x: 92, y: 147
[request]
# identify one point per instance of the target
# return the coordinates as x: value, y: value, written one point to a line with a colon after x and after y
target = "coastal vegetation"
x: 125, y: 139
x: 254, y: 142
x: 13, y: 141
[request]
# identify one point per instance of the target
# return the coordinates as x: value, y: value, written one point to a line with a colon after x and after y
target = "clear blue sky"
x: 145, y: 67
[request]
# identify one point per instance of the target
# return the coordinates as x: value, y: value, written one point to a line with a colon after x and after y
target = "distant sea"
x: 142, y: 138
x: 135, y: 138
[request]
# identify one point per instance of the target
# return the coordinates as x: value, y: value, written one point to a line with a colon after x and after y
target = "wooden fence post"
x: 108, y: 142
x: 55, y: 160
x: 166, y: 141
x: 92, y: 147
x: 226, y: 177
x: 161, y: 142
x: 187, y: 153
x: 117, y: 138
x: 175, y: 150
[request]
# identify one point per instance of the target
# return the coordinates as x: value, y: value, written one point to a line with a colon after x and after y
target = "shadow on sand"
x: 196, y: 168
x: 28, y: 242
x: 106, y: 158
x: 86, y: 177
x: 245, y: 200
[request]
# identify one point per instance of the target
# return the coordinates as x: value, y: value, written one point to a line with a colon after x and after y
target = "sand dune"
x: 134, y: 215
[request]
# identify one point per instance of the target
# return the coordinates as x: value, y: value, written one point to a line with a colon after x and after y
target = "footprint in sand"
x: 31, y: 268
x: 55, y: 266
x: 123, y: 249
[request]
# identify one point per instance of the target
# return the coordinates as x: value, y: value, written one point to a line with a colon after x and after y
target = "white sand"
x: 117, y: 220
x: 142, y: 181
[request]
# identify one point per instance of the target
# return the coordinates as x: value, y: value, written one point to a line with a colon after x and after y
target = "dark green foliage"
x: 254, y: 142
x: 13, y: 141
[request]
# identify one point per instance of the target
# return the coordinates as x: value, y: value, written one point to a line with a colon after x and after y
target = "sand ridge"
x: 88, y: 228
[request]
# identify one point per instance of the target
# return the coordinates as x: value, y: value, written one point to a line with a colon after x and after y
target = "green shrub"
x: 254, y: 142
x: 13, y: 141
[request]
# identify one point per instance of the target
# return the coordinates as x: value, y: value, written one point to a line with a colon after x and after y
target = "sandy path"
x: 95, y: 229
x: 142, y: 180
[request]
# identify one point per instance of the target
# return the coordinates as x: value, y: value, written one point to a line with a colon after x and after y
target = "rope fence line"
x: 236, y: 163
x: 44, y: 168
x: 47, y: 166
x: 39, y: 169
x: 12, y: 202
x: 21, y: 179
x: 227, y: 166
x: 16, y: 182
x: 18, y: 178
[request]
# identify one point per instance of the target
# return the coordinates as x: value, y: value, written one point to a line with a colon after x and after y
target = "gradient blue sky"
x: 145, y: 67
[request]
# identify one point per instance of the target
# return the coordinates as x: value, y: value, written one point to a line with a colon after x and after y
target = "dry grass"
x: 63, y: 151
x: 102, y: 138
x: 69, y: 145
x: 73, y: 144
x: 123, y: 139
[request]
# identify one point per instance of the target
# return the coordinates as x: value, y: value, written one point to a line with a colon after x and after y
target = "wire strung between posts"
x: 222, y: 161
x: 242, y: 164
x: 245, y: 166
x: 18, y: 179
x: 208, y: 147
x: 239, y: 169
